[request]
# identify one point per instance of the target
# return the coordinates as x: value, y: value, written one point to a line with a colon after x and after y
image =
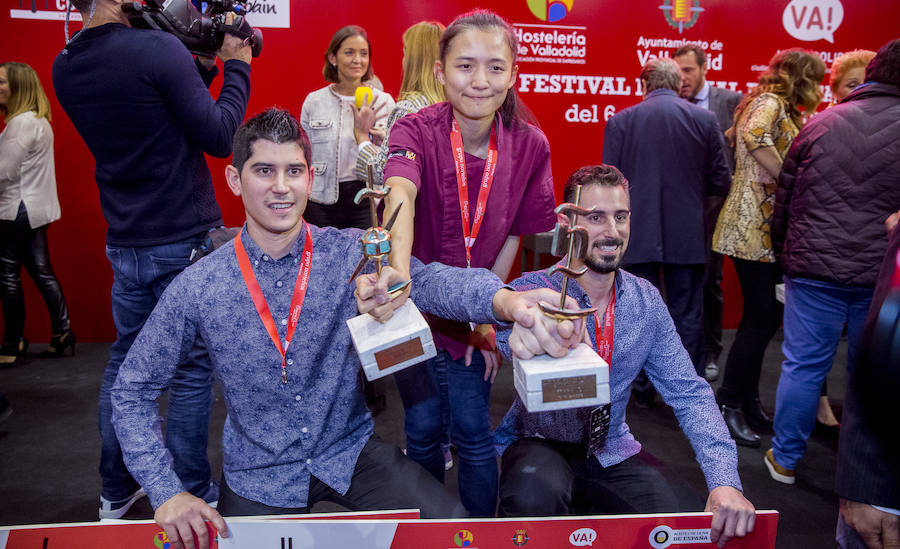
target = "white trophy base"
x: 385, y: 348
x: 581, y: 378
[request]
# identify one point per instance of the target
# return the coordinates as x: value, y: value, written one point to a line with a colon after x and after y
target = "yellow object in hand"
x: 361, y: 93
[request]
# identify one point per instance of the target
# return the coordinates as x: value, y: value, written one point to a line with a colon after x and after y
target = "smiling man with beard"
x: 544, y: 470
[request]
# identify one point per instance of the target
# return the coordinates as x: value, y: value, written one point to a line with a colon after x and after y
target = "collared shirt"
x: 645, y: 338
x: 521, y: 201
x: 702, y: 97
x: 27, y: 172
x: 276, y: 435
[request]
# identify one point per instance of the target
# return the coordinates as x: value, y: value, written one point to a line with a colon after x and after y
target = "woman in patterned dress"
x: 766, y: 122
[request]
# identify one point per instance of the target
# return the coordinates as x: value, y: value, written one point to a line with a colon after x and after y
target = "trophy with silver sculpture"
x: 581, y: 378
x: 404, y: 339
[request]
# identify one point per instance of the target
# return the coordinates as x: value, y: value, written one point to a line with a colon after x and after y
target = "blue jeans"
x: 140, y: 275
x: 814, y: 316
x: 470, y: 425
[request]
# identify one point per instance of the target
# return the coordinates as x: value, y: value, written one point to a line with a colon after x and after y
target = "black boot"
x: 738, y: 428
x: 58, y: 345
x: 12, y: 354
x: 755, y: 414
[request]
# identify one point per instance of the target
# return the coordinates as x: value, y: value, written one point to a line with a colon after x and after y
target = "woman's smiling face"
x: 477, y: 72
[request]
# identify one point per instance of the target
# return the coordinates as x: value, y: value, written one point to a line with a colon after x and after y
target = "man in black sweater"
x: 141, y: 104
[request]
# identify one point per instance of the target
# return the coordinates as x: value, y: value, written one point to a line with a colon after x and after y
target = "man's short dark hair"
x: 885, y: 66
x: 699, y: 54
x: 600, y: 174
x: 275, y: 125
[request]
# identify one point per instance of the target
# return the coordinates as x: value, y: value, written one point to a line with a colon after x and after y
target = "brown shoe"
x: 778, y: 472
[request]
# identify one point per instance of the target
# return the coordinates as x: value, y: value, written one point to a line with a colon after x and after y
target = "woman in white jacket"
x: 28, y: 204
x: 336, y: 129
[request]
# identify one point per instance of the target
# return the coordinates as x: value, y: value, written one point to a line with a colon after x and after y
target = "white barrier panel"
x: 395, y: 530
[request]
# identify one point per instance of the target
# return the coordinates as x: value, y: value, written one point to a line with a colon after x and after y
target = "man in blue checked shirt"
x: 547, y: 468
x: 298, y: 430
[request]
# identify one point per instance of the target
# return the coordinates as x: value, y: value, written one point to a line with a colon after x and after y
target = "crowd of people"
x: 689, y: 175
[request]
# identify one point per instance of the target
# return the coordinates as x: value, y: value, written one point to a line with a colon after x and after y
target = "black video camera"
x: 201, y: 32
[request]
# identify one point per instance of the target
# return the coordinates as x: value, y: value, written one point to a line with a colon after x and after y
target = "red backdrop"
x: 574, y: 71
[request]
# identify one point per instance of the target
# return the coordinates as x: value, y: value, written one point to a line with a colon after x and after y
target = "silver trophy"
x: 405, y: 339
x: 581, y: 378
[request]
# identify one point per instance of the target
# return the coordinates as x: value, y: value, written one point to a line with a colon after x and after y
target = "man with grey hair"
x: 673, y: 154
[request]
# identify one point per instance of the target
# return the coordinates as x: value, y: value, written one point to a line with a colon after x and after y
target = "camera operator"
x: 140, y: 102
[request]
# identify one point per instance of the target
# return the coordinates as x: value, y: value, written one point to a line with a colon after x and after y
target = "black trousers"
x: 342, y: 214
x: 544, y: 478
x: 682, y: 289
x: 712, y: 286
x: 384, y: 478
x: 20, y: 245
x: 760, y: 321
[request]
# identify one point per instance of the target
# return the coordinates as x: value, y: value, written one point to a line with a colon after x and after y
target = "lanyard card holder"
x: 598, y: 429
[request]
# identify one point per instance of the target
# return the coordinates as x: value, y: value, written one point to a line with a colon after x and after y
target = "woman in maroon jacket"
x: 473, y: 175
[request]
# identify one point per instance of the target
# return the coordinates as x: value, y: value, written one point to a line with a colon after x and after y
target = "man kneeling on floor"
x: 297, y: 430
x: 547, y: 469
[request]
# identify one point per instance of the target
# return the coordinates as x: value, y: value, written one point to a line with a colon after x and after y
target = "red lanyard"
x: 260, y: 301
x: 470, y: 232
x: 603, y: 335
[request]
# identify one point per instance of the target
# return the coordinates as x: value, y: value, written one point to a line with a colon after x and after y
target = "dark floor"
x: 49, y: 447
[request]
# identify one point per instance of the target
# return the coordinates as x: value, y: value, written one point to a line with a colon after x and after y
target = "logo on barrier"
x: 662, y: 536
x: 582, y: 537
x: 161, y: 541
x: 463, y: 538
x: 520, y: 538
x: 681, y: 14
x: 550, y: 10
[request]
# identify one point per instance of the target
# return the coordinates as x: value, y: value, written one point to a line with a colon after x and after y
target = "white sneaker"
x: 117, y: 509
x: 777, y: 472
x: 711, y: 373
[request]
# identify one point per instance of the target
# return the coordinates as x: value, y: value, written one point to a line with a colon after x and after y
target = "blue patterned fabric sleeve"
x: 670, y: 369
x: 455, y: 293
x: 165, y: 340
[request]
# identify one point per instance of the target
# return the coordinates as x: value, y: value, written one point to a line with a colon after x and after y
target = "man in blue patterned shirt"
x: 298, y: 430
x: 546, y: 466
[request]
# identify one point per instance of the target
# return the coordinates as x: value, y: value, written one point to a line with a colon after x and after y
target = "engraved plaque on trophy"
x: 403, y: 340
x: 581, y: 378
